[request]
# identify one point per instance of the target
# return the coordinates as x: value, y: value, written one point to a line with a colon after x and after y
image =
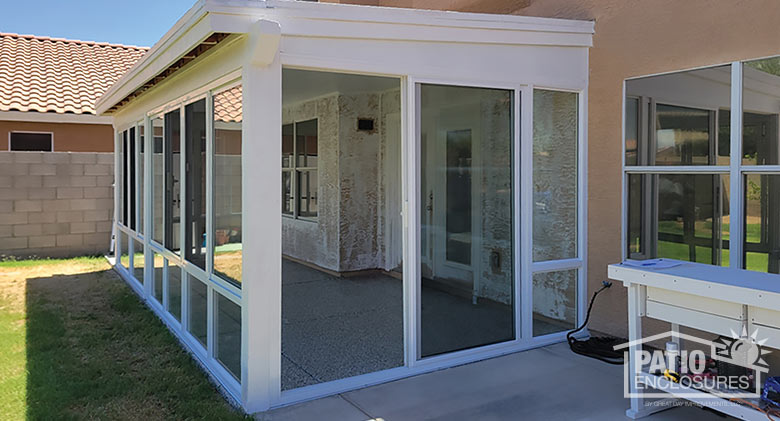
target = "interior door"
x: 451, y: 199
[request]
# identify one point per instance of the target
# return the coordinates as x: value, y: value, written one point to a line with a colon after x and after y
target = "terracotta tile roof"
x: 227, y: 105
x: 59, y: 75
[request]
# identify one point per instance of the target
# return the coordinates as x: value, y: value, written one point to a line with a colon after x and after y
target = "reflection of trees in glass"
x: 767, y: 65
x: 753, y: 191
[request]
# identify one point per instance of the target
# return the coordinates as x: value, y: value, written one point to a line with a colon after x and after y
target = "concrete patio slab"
x: 548, y: 383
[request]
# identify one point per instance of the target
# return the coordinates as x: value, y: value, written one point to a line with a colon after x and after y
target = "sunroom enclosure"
x: 311, y: 209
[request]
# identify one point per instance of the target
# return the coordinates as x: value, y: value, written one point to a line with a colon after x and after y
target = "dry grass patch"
x: 78, y: 344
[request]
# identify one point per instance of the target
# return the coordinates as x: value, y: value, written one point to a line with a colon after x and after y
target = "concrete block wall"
x: 55, y: 204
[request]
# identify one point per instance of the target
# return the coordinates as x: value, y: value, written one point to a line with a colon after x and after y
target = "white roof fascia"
x: 324, y: 20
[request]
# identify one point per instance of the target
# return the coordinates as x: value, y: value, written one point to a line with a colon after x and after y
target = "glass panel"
x: 195, y: 208
x: 227, y: 329
x: 685, y: 217
x: 762, y: 227
x: 159, y: 268
x: 342, y: 294
x: 172, y: 213
x: 123, y: 246
x: 131, y: 178
x: 555, y: 175
x: 287, y: 145
x: 459, y: 214
x: 287, y: 199
x: 683, y: 135
x: 141, y: 147
x: 197, y: 308
x: 138, y: 261
x: 158, y: 180
x: 174, y: 290
x: 636, y: 217
x: 227, y: 184
x: 466, y: 208
x: 632, y: 130
x: 555, y: 302
x: 760, y: 95
x: 685, y: 119
x: 307, y: 193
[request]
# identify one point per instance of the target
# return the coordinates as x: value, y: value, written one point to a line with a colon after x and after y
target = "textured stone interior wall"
x: 317, y: 242
x: 495, y: 189
x: 349, y: 232
x: 55, y: 204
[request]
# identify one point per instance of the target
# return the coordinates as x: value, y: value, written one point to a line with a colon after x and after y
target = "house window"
x: 34, y: 142
x: 299, y: 169
x: 688, y: 197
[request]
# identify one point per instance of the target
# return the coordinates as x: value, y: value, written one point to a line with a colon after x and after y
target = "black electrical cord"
x: 600, y: 348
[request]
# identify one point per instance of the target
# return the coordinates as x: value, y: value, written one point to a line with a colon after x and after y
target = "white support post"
x: 634, y: 334
x: 261, y: 298
x: 735, y: 180
x: 117, y: 166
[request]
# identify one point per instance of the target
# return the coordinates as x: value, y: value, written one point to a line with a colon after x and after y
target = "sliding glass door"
x: 466, y: 185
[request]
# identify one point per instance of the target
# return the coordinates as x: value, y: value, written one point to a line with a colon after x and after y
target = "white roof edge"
x: 428, y: 17
x: 291, y: 9
x: 195, y: 13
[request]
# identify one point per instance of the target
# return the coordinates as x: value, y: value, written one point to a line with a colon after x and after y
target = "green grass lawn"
x: 78, y: 344
x: 703, y: 229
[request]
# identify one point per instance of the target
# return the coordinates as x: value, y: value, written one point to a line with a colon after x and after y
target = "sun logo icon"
x: 742, y: 350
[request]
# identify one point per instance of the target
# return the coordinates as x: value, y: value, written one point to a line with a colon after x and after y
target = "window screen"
x: 31, y: 142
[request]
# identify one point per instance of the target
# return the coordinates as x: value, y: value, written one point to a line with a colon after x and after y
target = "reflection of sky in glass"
x: 665, y: 138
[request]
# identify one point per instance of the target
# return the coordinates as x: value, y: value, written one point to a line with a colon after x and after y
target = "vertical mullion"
x: 184, y: 219
x: 209, y: 184
x: 409, y: 331
x: 138, y: 187
x: 411, y: 167
x: 210, y: 134
x: 517, y: 231
x: 147, y: 208
x: 624, y: 254
x: 735, y: 160
x: 582, y: 200
x: 526, y: 214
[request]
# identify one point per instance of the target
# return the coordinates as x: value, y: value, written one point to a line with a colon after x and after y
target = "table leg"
x: 634, y: 334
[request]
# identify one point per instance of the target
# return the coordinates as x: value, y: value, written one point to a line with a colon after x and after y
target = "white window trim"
x: 294, y: 169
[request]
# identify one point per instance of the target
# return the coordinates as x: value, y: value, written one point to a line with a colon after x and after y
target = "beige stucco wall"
x: 633, y: 38
x: 68, y: 137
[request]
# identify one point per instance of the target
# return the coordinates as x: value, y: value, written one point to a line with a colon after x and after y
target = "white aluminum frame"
x: 735, y: 170
x: 255, y: 61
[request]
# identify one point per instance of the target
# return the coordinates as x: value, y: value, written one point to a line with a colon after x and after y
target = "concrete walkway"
x: 549, y: 383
